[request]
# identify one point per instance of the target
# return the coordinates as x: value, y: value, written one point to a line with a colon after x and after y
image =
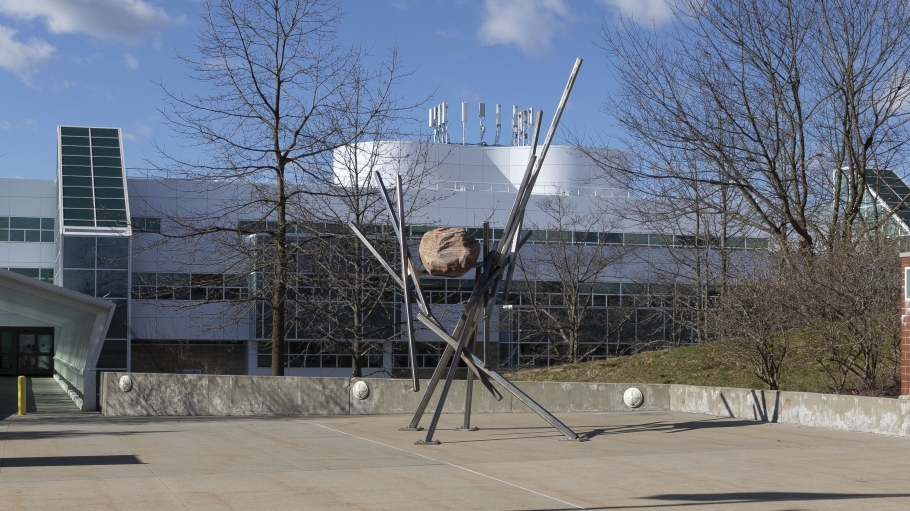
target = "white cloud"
x: 140, y: 130
x: 401, y: 6
x: 131, y: 61
x: 5, y: 125
x: 22, y: 58
x: 644, y: 12
x: 528, y: 24
x: 124, y: 20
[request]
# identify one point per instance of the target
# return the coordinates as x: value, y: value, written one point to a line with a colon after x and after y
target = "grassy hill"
x: 706, y: 364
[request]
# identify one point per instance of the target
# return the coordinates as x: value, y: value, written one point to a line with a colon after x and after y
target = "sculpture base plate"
x: 424, y: 442
x: 418, y: 428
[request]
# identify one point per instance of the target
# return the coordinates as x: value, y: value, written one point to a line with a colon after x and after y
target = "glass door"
x: 35, y: 351
x: 7, y: 352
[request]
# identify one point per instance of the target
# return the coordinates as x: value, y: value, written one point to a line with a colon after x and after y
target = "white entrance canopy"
x: 83, y: 321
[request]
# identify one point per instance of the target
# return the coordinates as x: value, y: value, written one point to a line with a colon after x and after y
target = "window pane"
x: 106, y: 151
x: 108, y: 171
x: 105, y: 132
x: 111, y: 215
x: 47, y: 236
x: 74, y: 151
x: 77, y: 192
x: 76, y: 132
x: 111, y: 223
x: 109, y: 182
x: 109, y: 193
x: 612, y: 238
x: 47, y: 274
x: 47, y: 223
x: 112, y: 284
x: 4, y: 235
x: 78, y: 252
x: 77, y: 181
x: 105, y: 142
x: 18, y: 222
x: 113, y: 253
x: 74, y: 141
x: 104, y: 204
x: 4, y: 222
x: 113, y: 354
x: 16, y: 235
x: 28, y: 272
x: 636, y: 239
x: 119, y: 322
x: 82, y: 281
x: 77, y: 171
x: 78, y: 214
x: 77, y: 202
x: 85, y: 161
x: 33, y: 236
x: 106, y: 162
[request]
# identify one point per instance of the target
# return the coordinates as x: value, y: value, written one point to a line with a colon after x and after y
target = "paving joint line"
x: 576, y: 506
x: 149, y: 468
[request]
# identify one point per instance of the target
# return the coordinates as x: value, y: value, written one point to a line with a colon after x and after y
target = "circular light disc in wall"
x: 633, y: 397
x: 126, y: 383
x: 361, y: 390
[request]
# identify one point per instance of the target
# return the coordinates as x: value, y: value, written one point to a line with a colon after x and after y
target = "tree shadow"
x: 669, y: 427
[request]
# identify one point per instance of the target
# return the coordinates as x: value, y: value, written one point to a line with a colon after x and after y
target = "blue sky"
x: 98, y: 62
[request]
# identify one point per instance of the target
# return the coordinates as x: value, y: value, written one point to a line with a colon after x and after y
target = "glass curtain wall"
x: 99, y: 266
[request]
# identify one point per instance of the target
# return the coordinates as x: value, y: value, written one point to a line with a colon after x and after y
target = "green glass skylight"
x: 92, y: 179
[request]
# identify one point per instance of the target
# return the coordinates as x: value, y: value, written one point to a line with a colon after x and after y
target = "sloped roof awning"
x: 83, y: 321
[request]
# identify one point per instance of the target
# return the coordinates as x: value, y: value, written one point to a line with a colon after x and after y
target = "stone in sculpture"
x: 448, y: 252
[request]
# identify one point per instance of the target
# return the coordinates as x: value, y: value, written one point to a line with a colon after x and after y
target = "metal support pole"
x: 405, y: 293
x: 23, y: 392
x: 444, y: 393
x: 486, y: 300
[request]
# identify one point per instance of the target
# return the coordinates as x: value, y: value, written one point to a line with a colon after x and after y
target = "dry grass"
x: 706, y: 364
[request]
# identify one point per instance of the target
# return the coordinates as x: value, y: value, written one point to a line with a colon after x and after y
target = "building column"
x: 905, y: 326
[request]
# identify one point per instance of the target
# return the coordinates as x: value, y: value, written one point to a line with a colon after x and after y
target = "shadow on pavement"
x: 668, y: 427
x: 70, y: 461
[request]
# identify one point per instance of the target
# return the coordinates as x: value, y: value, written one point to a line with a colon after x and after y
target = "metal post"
x: 405, y: 293
x: 23, y: 392
x: 486, y: 300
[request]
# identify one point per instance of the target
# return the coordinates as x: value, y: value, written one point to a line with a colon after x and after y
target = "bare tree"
x: 282, y: 93
x: 769, y: 98
x: 561, y: 273
x: 851, y: 295
x: 757, y: 314
x: 355, y: 308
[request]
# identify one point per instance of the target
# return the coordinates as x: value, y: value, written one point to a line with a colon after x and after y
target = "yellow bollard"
x: 22, y: 394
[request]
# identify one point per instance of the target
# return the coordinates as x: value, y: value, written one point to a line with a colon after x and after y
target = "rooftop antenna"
x: 515, y: 138
x: 445, y: 122
x: 498, y: 123
x: 529, y: 125
x: 483, y: 113
x: 464, y: 121
x: 439, y: 123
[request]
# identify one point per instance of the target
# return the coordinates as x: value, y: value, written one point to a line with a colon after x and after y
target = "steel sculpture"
x: 494, y: 277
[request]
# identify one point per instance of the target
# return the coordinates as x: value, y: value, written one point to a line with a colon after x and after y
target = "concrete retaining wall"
x: 881, y: 415
x: 193, y: 394
x: 198, y: 394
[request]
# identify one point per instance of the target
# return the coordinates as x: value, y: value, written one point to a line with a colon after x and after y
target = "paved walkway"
x: 634, y: 460
x: 44, y: 395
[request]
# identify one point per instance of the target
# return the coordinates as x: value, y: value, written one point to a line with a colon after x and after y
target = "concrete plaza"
x: 633, y: 460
